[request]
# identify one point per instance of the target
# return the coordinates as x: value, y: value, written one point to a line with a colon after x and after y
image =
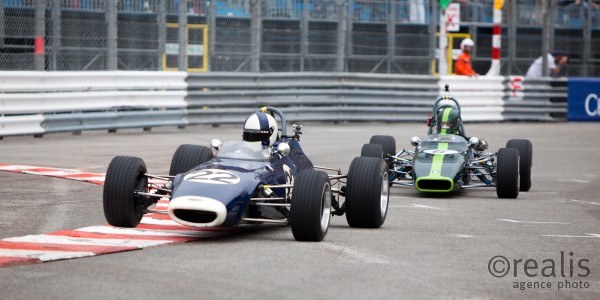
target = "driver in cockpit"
x: 261, y: 127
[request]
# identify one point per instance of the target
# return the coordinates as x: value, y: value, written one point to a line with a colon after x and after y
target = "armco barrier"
x: 40, y: 102
x: 535, y: 99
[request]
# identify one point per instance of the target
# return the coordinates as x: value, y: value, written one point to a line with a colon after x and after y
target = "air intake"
x: 195, y: 216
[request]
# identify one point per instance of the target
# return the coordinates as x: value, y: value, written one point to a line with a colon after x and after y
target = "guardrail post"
x: 587, y: 42
x: 161, y: 22
x: 433, y: 22
x: 111, y: 38
x: 181, y: 57
x: 512, y: 36
x: 56, y: 33
x: 256, y: 35
x: 212, y: 31
x: 391, y: 43
x: 303, y: 34
x: 545, y: 37
x: 2, y: 26
x: 40, y: 34
x: 341, y: 36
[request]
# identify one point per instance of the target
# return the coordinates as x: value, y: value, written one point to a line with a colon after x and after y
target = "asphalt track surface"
x: 429, y: 247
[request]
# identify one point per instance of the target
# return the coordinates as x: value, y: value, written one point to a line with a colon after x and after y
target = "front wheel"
x: 367, y: 192
x: 310, y: 211
x: 187, y: 157
x: 507, y: 173
x: 122, y: 206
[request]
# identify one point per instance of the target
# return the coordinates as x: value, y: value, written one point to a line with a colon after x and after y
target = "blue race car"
x: 265, y: 178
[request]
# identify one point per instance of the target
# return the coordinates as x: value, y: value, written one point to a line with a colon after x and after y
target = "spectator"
x: 555, y: 60
x: 463, y: 62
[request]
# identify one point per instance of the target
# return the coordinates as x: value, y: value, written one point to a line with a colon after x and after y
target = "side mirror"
x: 215, y: 146
x: 283, y: 149
x: 473, y: 142
x: 415, y: 141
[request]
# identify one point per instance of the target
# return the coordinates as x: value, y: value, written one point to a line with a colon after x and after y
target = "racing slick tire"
x: 525, y: 149
x: 310, y: 211
x: 125, y: 175
x: 371, y: 150
x: 507, y: 173
x: 367, y: 192
x: 387, y: 142
x: 187, y: 157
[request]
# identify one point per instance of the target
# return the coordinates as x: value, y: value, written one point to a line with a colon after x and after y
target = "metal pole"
x: 56, y: 33
x: 443, y: 43
x: 432, y: 30
x: 304, y: 34
x: 587, y: 43
x: 391, y: 35
x: 545, y: 37
x: 256, y: 35
x: 512, y: 36
x: 212, y: 31
x: 111, y: 41
x: 40, y: 34
x: 341, y: 36
x: 2, y: 24
x: 161, y: 22
x: 182, y: 41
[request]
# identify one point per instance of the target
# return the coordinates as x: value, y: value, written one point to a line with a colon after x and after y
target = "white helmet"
x: 466, y: 42
x: 260, y: 127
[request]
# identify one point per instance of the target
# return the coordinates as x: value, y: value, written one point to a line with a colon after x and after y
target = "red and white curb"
x: 78, y: 175
x: 153, y: 230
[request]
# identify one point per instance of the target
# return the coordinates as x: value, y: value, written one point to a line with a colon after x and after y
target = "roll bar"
x: 279, y: 113
x: 435, y: 108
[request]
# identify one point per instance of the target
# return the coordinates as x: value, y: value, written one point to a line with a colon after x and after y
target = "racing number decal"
x: 213, y: 176
x: 289, y: 178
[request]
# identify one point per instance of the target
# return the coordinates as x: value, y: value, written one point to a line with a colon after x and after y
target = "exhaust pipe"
x: 197, y: 211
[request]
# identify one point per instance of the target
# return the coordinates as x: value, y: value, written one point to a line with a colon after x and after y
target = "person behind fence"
x: 463, y: 62
x: 555, y: 60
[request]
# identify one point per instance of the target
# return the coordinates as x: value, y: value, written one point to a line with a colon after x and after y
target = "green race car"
x: 446, y: 160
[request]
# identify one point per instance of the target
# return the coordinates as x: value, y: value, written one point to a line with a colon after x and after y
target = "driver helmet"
x: 448, y: 120
x: 467, y: 42
x: 260, y: 127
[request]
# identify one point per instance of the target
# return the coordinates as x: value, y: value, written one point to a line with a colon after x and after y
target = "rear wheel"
x: 367, y: 192
x: 525, y: 149
x: 187, y: 157
x: 387, y: 142
x: 371, y: 150
x: 311, y: 206
x: 125, y: 176
x: 507, y: 173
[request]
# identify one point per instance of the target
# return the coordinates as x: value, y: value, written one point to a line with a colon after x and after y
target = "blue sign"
x: 584, y: 99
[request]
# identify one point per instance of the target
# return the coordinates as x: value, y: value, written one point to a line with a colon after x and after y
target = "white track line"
x: 532, y: 222
x: 462, y: 235
x: 417, y: 206
x: 67, y: 240
x: 44, y: 255
x: 580, y: 201
x: 588, y: 235
x: 574, y: 180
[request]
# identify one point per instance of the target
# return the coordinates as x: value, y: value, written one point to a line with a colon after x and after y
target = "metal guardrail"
x: 37, y: 102
x: 536, y: 100
x: 41, y: 102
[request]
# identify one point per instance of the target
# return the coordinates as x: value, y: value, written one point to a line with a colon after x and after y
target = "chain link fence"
x: 372, y: 36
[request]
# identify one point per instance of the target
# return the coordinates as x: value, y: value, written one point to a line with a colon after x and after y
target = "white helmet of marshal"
x: 260, y: 127
x: 466, y: 42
